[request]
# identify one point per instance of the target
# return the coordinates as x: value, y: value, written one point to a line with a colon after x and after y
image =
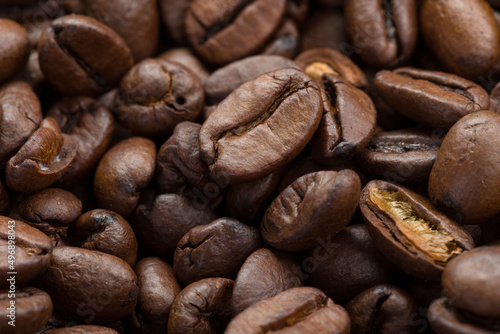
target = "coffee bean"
x: 173, y: 13
x: 333, y: 21
x: 261, y: 126
x: 14, y: 48
x: 285, y: 41
x: 298, y: 10
x: 186, y: 57
x: 409, y: 231
x: 298, y: 310
x: 84, y: 329
x: 315, y: 205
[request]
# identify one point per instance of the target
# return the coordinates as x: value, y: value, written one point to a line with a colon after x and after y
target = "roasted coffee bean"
x: 33, y: 251
x: 285, y: 42
x: 383, y: 309
x: 226, y: 79
x: 20, y: 116
x: 90, y: 286
x: 409, y: 231
x: 202, y: 307
x: 464, y: 180
x: 173, y: 13
x: 385, y: 31
x: 467, y: 51
x: 347, y: 264
x: 186, y: 57
x: 297, y: 10
x: 137, y: 22
x: 84, y: 329
x: 33, y: 75
x: 43, y: 158
x: 316, y: 62
x: 156, y: 95
x: 298, y: 310
x: 313, y: 206
x: 347, y: 124
x: 51, y: 211
x: 30, y: 311
x: 122, y: 173
x: 403, y: 156
x: 214, y: 28
x: 91, y: 124
x: 264, y: 274
x: 261, y: 126
x: 14, y: 48
x: 214, y: 250
x: 107, y: 232
x: 159, y: 227
x: 158, y: 288
x: 333, y: 21
x: 81, y: 56
x: 435, y: 99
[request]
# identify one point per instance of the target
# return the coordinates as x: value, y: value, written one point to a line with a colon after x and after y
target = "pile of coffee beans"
x: 250, y: 166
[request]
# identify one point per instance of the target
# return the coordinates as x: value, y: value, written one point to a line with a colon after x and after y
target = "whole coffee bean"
x: 347, y: 124
x: 383, y: 309
x: 315, y: 205
x: 214, y: 28
x: 214, y: 250
x: 298, y: 310
x: 158, y: 288
x: 4, y: 200
x: 435, y: 99
x: 186, y: 57
x: 137, y: 22
x: 226, y: 79
x: 202, y: 307
x: 122, y: 173
x: 264, y: 274
x: 90, y: 286
x: 261, y: 126
x: 81, y: 56
x: 91, y: 124
x: 32, y: 309
x: 333, y: 21
x: 160, y: 226
x: 464, y: 180
x: 173, y: 13
x: 409, y: 231
x: 156, y: 95
x: 403, y: 156
x: 319, y: 61
x: 385, y: 32
x: 14, y: 48
x: 43, y: 158
x: 467, y: 51
x: 51, y: 211
x: 347, y: 264
x: 286, y: 40
x: 20, y: 116
x: 31, y: 255
x: 84, y: 329
x: 107, y: 232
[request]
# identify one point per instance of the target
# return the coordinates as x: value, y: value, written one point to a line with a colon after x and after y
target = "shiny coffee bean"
x: 385, y: 32
x: 202, y: 307
x: 21, y: 114
x: 81, y: 56
x: 31, y: 256
x: 122, y: 173
x: 214, y: 28
x: 298, y: 310
x: 226, y: 79
x: 186, y: 57
x: 32, y: 309
x: 264, y: 274
x: 261, y: 126
x: 89, y: 286
x: 43, y: 158
x: 107, y: 232
x: 467, y: 51
x: 14, y: 48
x: 333, y: 21
x: 409, y: 231
x: 435, y: 99
x: 51, y: 211
x: 214, y: 250
x: 347, y: 264
x: 464, y: 180
x: 91, y: 124
x: 383, y: 309
x: 313, y: 206
x: 347, y: 124
x: 403, y: 156
x: 156, y: 95
x: 286, y: 40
